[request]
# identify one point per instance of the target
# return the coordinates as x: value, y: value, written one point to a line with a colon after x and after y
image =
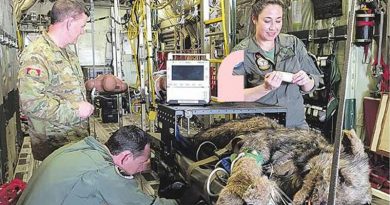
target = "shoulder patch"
x: 34, y: 72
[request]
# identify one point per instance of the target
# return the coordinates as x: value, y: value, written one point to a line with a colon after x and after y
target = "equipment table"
x: 168, y: 116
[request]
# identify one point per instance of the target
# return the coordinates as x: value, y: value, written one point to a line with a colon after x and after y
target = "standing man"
x: 90, y: 173
x: 51, y: 83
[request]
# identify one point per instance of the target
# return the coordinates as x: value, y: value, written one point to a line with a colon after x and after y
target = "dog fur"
x: 221, y: 135
x: 298, y: 162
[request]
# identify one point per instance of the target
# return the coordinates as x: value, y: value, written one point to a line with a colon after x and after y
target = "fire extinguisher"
x: 364, y: 26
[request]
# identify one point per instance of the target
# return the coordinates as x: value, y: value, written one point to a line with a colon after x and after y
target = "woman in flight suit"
x: 268, y: 54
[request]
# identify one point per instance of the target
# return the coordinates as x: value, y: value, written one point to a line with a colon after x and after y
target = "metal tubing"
x: 214, y: 34
x: 117, y: 55
x: 233, y: 21
x: 341, y: 108
x: 149, y: 46
x: 378, y: 66
x: 92, y: 16
x: 141, y: 57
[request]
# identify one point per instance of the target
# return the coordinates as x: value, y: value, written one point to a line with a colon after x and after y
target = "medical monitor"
x: 188, y: 81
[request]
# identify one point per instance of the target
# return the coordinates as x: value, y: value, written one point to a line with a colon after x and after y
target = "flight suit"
x: 83, y: 173
x: 51, y: 85
x: 290, y: 55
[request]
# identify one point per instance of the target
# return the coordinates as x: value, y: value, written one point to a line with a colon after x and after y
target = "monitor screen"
x: 187, y: 72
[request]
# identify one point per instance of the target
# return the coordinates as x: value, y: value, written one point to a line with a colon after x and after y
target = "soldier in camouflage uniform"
x: 51, y: 84
x: 266, y: 53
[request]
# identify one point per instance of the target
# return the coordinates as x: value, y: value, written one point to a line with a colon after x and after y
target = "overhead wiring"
x: 136, y: 15
x: 160, y: 6
x: 109, y: 17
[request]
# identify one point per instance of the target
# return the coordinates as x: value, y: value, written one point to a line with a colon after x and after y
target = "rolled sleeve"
x: 309, y: 65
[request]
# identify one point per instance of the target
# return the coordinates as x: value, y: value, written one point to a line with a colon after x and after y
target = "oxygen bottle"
x: 364, y: 26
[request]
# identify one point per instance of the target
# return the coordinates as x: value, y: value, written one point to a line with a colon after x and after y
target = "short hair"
x: 67, y: 8
x: 130, y: 138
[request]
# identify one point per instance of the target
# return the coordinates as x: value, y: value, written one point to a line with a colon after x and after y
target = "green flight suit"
x: 51, y: 84
x: 290, y: 55
x: 83, y: 174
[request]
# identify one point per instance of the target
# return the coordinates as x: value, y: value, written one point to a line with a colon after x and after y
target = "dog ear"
x: 351, y: 144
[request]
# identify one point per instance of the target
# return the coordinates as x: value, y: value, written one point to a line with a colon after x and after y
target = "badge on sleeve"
x: 261, y: 63
x: 34, y: 72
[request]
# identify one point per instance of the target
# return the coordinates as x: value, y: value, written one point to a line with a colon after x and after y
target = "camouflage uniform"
x: 290, y: 56
x: 51, y: 85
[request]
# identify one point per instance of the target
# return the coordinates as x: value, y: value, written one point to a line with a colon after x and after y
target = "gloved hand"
x: 85, y: 109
